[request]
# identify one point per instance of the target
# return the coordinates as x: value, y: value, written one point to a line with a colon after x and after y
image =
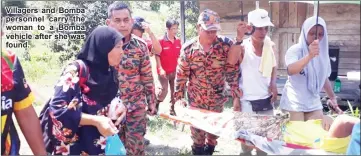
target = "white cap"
x: 259, y: 18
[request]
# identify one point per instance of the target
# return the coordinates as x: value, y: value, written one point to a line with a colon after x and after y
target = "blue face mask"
x: 114, y: 146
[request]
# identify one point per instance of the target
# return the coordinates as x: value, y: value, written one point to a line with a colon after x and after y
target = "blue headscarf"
x: 319, y: 68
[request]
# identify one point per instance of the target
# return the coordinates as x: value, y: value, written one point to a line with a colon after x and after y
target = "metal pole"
x: 317, y: 13
x: 315, y: 6
x: 242, y: 16
x: 183, y: 29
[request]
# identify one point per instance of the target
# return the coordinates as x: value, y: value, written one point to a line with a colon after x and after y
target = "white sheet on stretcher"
x: 225, y: 130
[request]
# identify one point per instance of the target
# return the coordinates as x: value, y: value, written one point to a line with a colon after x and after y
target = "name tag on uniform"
x: 165, y: 48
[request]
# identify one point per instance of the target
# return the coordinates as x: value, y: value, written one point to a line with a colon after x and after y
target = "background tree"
x: 191, y: 15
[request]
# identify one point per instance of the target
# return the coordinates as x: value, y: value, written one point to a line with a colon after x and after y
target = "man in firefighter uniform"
x: 203, y: 64
x: 135, y: 79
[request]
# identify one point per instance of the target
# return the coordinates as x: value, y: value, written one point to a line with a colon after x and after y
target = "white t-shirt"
x: 295, y: 95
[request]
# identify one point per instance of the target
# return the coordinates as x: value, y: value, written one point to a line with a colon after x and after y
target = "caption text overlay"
x: 28, y: 24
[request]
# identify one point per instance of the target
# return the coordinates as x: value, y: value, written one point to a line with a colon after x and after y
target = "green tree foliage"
x: 191, y: 15
x: 155, y: 5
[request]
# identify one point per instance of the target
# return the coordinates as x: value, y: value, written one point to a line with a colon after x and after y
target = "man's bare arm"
x: 235, y: 54
x: 155, y: 43
x: 157, y: 60
x: 157, y: 48
x: 30, y: 127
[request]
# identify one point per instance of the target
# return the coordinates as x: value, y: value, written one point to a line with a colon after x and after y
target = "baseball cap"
x: 138, y: 23
x: 138, y: 19
x: 209, y: 20
x: 259, y: 18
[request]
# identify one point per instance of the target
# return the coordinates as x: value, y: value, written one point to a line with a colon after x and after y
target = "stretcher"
x: 270, y: 134
x: 266, y: 133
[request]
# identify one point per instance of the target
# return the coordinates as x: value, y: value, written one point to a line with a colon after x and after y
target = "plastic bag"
x: 114, y: 146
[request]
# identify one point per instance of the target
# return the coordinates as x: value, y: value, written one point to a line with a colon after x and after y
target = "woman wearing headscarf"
x: 75, y: 121
x: 308, y: 67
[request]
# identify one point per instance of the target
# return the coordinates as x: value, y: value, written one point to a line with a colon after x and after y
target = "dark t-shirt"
x: 15, y: 95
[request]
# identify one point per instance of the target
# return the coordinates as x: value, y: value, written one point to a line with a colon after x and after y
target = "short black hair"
x: 138, y: 23
x: 118, y: 6
x: 171, y: 22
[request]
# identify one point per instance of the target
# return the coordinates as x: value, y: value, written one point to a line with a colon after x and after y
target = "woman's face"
x: 115, y: 55
x: 312, y: 34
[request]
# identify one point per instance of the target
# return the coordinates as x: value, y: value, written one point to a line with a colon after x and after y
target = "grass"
x: 156, y: 123
x: 352, y: 112
x: 166, y: 139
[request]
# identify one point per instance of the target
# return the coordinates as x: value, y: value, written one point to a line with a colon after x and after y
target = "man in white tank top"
x: 258, y: 91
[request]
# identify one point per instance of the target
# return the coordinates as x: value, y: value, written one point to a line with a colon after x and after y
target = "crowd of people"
x: 114, y: 66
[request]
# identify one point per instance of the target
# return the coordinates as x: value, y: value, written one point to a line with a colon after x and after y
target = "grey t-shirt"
x: 296, y: 96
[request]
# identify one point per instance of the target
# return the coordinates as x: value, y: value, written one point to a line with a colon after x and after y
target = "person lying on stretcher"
x: 331, y: 135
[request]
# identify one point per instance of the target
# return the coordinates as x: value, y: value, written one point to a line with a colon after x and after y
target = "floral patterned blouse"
x: 65, y: 109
